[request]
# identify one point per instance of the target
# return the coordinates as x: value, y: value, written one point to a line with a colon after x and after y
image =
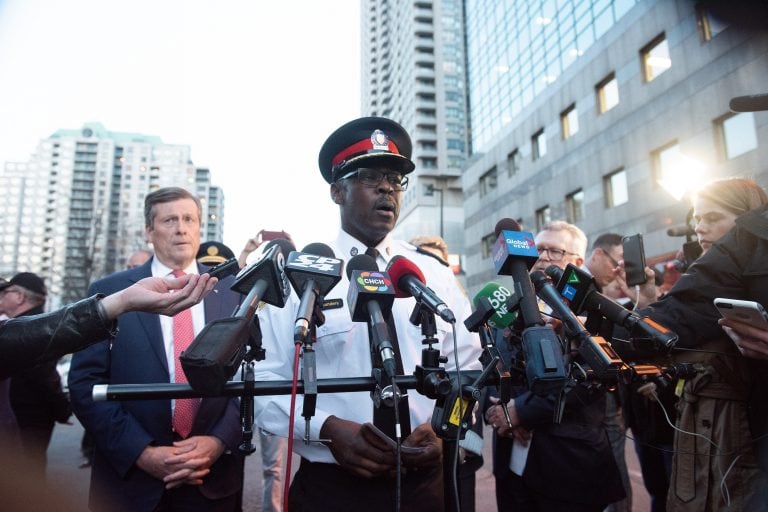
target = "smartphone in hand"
x: 634, y: 259
x: 744, y: 311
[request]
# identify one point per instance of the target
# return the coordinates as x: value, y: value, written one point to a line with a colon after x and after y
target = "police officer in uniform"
x: 366, y: 162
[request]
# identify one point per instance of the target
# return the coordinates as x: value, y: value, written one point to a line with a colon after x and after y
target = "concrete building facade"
x: 648, y: 98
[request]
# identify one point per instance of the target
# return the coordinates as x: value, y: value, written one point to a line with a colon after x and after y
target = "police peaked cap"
x: 213, y: 253
x: 364, y: 142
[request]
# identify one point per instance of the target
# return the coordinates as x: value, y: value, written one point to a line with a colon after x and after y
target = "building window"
x: 543, y: 215
x: 574, y: 205
x: 667, y: 162
x: 709, y: 26
x: 607, y: 93
x: 738, y: 134
x: 513, y: 162
x: 615, y: 188
x: 487, y: 244
x: 488, y: 181
x: 569, y: 121
x: 538, y: 144
x: 655, y: 58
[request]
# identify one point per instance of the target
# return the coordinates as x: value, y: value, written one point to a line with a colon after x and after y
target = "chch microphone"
x: 503, y: 301
x: 514, y: 254
x: 580, y: 291
x: 683, y: 230
x: 217, y: 351
x: 369, y: 297
x: 595, y: 351
x: 409, y: 281
x: 313, y: 272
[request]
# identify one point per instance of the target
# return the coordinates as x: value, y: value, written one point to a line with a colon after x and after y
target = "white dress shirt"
x: 342, y: 348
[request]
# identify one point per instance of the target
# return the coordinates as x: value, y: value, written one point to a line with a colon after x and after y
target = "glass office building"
x: 518, y: 48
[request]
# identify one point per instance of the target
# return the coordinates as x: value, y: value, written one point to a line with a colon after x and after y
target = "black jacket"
x: 31, y: 340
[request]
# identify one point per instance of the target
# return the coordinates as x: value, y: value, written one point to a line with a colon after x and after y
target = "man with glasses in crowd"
x: 567, y: 466
x: 347, y: 466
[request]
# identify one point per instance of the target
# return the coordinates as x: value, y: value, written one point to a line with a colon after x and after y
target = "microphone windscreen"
x: 318, y: 249
x: 361, y: 262
x: 506, y: 224
x: 554, y: 272
x: 754, y: 103
x: 399, y: 267
x: 502, y: 300
x: 286, y: 246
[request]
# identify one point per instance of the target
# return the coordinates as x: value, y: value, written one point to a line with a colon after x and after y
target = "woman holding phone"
x: 715, y: 463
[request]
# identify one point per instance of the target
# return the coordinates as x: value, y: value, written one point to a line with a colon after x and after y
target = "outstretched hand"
x: 160, y: 295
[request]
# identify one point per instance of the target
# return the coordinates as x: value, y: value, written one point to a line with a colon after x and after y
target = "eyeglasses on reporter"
x: 373, y: 177
x: 554, y: 254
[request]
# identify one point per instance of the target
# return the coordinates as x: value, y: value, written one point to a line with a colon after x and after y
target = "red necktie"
x: 183, y: 334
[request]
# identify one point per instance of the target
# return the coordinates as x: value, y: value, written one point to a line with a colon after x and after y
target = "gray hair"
x: 578, y: 238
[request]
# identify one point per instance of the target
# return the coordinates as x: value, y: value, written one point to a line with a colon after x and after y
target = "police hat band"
x: 365, y: 146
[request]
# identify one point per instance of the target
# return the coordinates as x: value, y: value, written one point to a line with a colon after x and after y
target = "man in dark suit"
x: 159, y: 454
x: 568, y: 466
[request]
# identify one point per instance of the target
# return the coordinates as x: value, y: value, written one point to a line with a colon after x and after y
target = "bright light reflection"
x: 680, y: 174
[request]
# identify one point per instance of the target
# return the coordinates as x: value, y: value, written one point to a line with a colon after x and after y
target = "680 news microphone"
x: 503, y: 301
x: 369, y: 297
x: 312, y: 273
x: 580, y: 291
x: 514, y: 254
x: 216, y: 353
x: 409, y: 281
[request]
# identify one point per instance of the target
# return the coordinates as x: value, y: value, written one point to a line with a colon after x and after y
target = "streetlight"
x: 431, y: 190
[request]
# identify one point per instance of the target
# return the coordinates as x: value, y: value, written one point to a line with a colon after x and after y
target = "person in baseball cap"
x: 365, y: 142
x: 28, y: 281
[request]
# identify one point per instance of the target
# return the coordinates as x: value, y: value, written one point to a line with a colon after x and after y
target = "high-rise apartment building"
x: 75, y: 210
x: 413, y: 72
x: 602, y: 112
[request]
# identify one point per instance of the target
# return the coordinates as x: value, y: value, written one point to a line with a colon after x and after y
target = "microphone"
x: 753, y: 103
x: 370, y: 295
x: 514, y: 254
x: 598, y: 354
x: 266, y: 276
x: 215, y: 354
x: 409, y: 281
x: 683, y: 230
x: 503, y: 301
x: 312, y: 273
x: 580, y: 291
x: 224, y: 269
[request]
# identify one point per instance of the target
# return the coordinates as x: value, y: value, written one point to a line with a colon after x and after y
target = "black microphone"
x: 312, y: 273
x: 514, y: 254
x: 408, y: 281
x: 683, y: 230
x: 224, y: 269
x: 597, y: 352
x: 752, y: 103
x: 215, y: 354
x: 369, y: 297
x: 580, y: 291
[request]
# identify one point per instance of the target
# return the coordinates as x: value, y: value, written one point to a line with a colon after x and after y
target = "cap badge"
x: 353, y: 251
x: 379, y: 140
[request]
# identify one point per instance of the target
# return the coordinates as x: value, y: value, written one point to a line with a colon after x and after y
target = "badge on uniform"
x: 331, y: 304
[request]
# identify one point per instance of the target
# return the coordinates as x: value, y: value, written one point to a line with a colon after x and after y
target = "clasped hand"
x: 184, y: 463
